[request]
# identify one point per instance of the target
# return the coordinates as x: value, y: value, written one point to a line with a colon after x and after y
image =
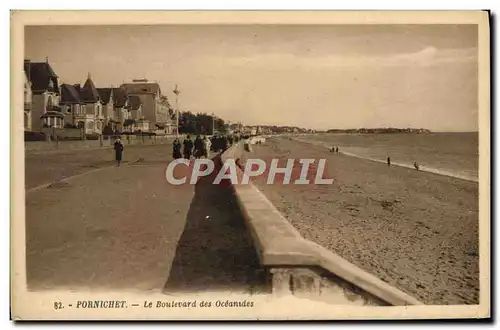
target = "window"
x: 49, y: 103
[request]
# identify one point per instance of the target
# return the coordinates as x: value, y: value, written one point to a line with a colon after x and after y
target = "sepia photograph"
x: 250, y: 165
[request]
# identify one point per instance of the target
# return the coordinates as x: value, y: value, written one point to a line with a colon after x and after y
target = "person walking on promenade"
x: 207, y: 145
x: 216, y: 143
x: 177, y: 149
x: 417, y: 167
x: 337, y: 149
x: 223, y: 143
x: 188, y: 147
x: 212, y: 143
x: 198, y: 147
x: 388, y: 161
x: 118, y: 146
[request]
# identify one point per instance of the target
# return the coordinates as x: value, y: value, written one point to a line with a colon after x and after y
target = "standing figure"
x: 198, y: 147
x: 216, y: 143
x: 417, y: 167
x: 177, y: 149
x: 118, y: 146
x: 212, y: 143
x: 223, y: 143
x: 188, y: 147
x: 337, y: 149
x: 207, y: 145
x: 388, y: 161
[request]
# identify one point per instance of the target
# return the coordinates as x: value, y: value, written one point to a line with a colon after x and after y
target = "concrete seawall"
x: 300, y: 267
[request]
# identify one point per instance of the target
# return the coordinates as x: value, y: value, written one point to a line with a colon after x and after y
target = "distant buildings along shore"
x: 379, y: 130
x: 135, y: 106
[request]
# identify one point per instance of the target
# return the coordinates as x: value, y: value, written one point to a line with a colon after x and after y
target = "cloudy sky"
x: 314, y: 76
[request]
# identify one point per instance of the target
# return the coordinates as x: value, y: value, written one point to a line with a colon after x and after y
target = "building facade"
x: 92, y: 107
x: 155, y: 105
x: 27, y: 103
x: 45, y: 111
x: 82, y: 107
x: 111, y: 116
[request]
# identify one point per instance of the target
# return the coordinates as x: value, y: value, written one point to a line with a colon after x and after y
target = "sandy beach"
x: 417, y: 231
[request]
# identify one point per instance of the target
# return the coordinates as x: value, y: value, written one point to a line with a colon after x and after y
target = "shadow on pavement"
x: 215, y: 251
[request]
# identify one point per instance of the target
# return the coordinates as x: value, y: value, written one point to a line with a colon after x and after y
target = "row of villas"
x: 135, y: 106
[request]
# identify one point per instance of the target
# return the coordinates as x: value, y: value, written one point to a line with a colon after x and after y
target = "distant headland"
x: 379, y: 130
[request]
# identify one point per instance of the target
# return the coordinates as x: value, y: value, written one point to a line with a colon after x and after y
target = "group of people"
x: 415, y: 164
x: 201, y: 146
x: 334, y: 149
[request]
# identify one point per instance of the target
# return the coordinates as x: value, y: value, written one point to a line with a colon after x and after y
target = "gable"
x: 41, y: 76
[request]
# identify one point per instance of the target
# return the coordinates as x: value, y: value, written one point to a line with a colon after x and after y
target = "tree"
x: 200, y: 123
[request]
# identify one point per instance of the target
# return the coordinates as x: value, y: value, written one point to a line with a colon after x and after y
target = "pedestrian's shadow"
x: 215, y: 251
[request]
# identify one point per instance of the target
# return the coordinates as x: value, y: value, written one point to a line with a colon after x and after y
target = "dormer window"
x: 51, y: 84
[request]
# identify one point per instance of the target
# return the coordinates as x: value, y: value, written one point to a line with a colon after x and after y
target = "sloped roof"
x: 88, y: 93
x: 70, y: 94
x: 134, y: 102
x: 141, y: 88
x: 119, y: 97
x: 104, y: 94
x: 40, y: 74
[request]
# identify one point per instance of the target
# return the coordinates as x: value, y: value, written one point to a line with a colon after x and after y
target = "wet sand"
x: 417, y: 231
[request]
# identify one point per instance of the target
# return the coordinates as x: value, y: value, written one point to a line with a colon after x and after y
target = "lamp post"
x: 213, y: 123
x: 177, y: 92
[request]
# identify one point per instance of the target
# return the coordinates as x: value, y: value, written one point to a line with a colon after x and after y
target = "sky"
x: 311, y: 76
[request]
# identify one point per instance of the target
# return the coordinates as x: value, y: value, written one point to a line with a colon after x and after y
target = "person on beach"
x: 207, y: 145
x: 118, y: 146
x: 337, y: 149
x: 188, y: 147
x: 388, y: 161
x: 177, y: 149
x: 417, y: 167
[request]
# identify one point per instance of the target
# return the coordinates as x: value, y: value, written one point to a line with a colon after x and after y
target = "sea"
x: 451, y: 154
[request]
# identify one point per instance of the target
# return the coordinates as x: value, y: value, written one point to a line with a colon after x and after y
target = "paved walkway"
x: 127, y: 228
x: 45, y: 168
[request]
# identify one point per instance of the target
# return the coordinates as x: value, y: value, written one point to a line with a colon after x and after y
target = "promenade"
x: 126, y: 228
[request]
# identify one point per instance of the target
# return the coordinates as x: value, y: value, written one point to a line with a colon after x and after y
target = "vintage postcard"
x: 250, y: 165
